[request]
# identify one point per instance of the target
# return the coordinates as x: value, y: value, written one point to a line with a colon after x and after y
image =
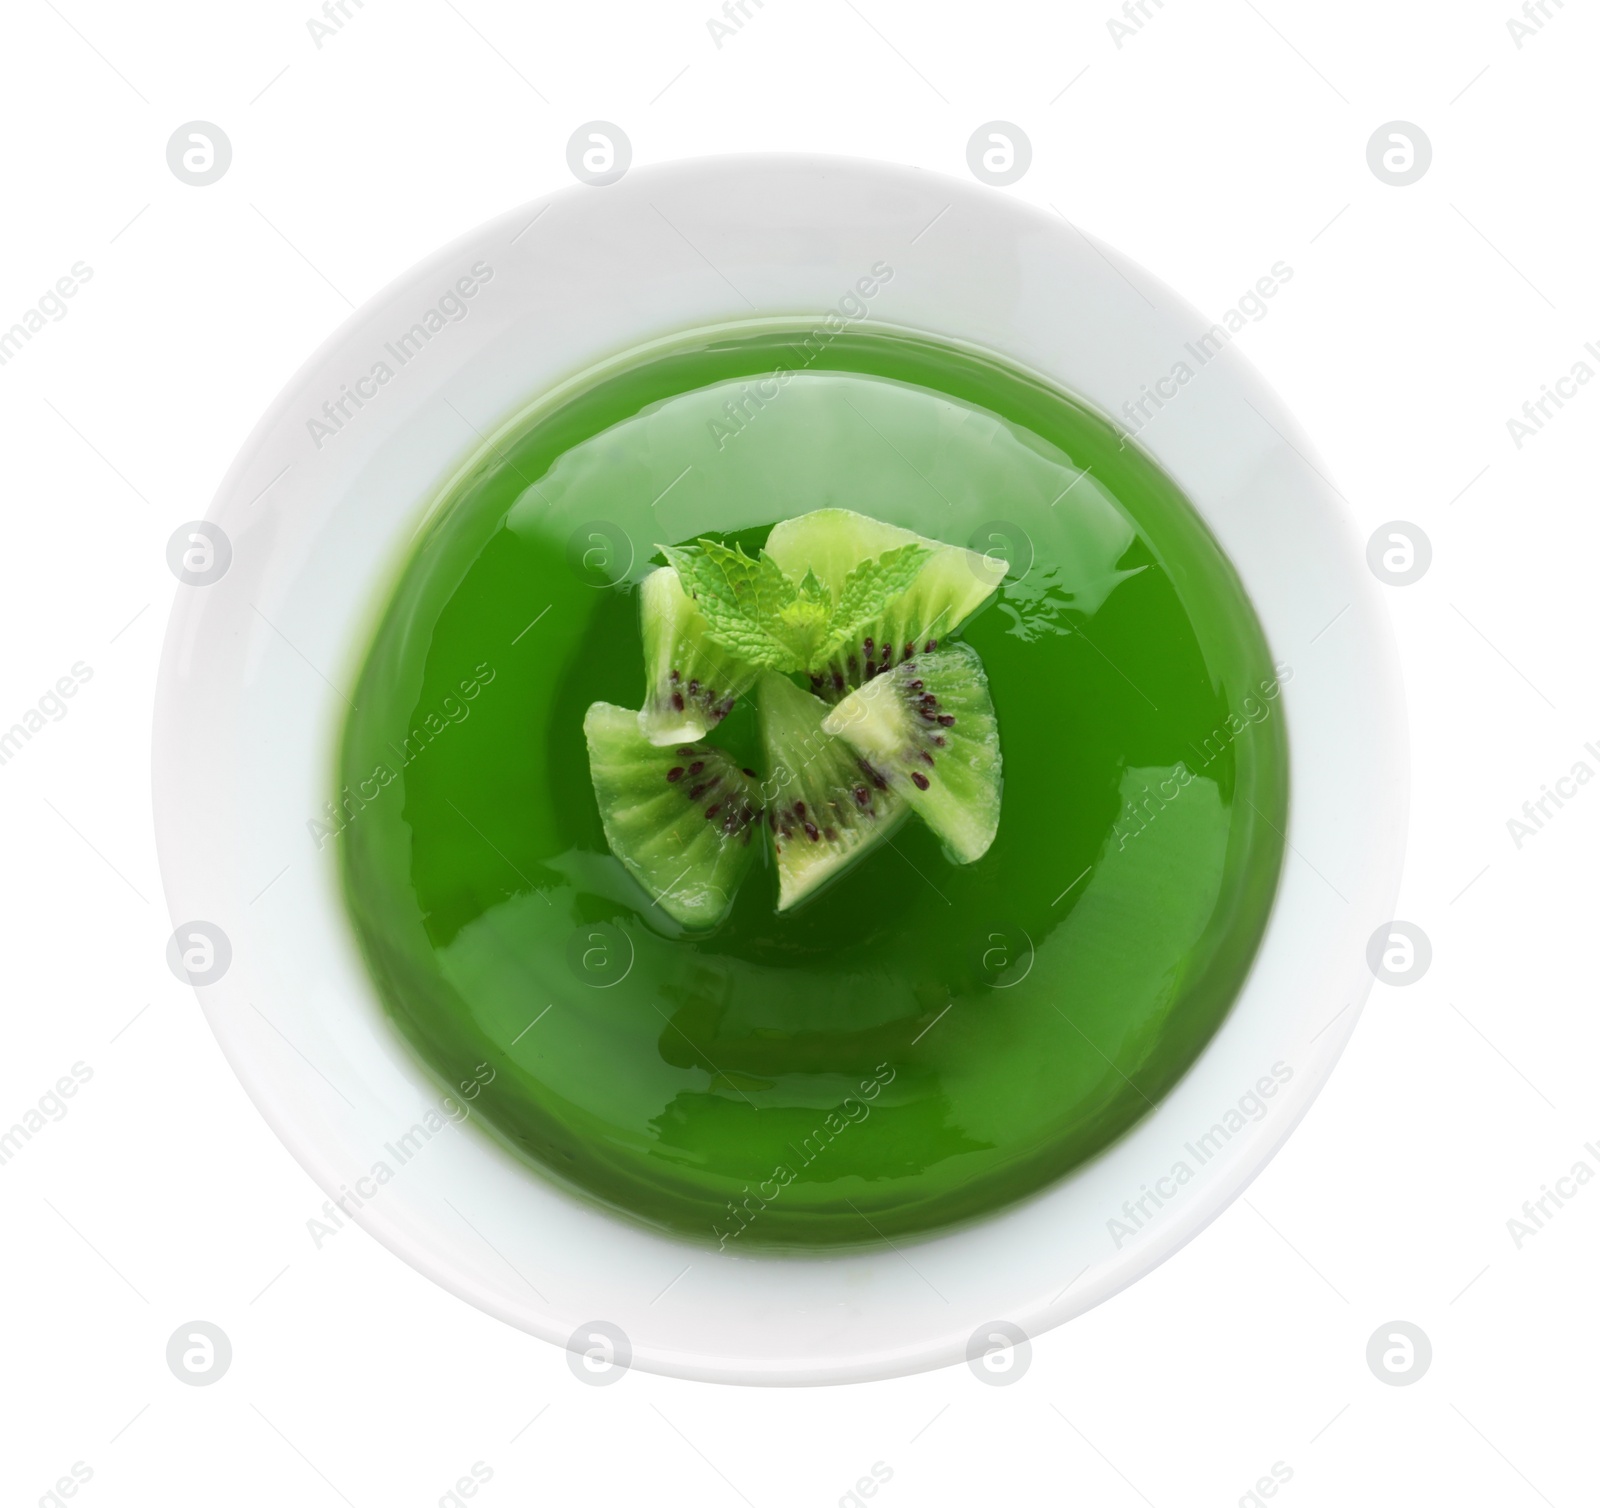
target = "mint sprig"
x: 755, y: 611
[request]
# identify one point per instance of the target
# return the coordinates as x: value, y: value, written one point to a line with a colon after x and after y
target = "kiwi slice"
x: 691, y: 682
x: 680, y: 819
x: 929, y: 726
x: 828, y: 806
x: 952, y: 585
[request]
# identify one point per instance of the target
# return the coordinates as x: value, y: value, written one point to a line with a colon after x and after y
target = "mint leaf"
x: 869, y: 589
x: 812, y: 590
x: 742, y: 600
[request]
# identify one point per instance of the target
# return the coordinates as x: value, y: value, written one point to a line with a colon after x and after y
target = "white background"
x: 1221, y: 137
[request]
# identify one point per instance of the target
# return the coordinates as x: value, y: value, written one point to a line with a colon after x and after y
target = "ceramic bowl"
x: 323, y: 504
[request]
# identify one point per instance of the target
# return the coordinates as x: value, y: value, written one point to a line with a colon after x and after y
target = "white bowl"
x: 250, y: 703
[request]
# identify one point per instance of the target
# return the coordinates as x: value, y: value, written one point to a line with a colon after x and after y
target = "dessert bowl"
x: 350, y: 468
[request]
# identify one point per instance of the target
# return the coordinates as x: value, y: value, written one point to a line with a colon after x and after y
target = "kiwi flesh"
x: 928, y: 726
x: 952, y: 585
x: 827, y: 807
x: 681, y: 819
x: 691, y: 682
